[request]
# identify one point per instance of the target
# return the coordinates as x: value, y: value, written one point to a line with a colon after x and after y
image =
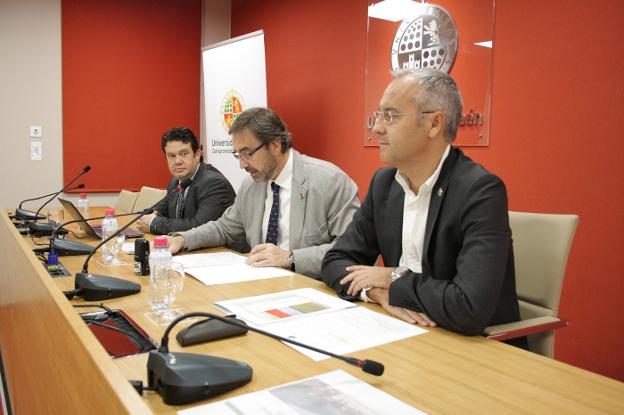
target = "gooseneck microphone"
x: 92, y: 287
x: 182, y: 378
x: 24, y: 214
x: 40, y: 229
x: 65, y: 247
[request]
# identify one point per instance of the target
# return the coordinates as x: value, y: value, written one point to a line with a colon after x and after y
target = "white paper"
x: 128, y: 248
x: 210, y: 259
x: 225, y: 267
x: 226, y: 274
x: 345, y: 331
x: 284, y: 306
x: 333, y: 393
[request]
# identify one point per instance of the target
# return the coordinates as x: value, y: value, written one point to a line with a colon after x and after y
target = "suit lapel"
x: 437, y: 197
x: 255, y: 213
x: 298, y: 197
x: 393, y: 224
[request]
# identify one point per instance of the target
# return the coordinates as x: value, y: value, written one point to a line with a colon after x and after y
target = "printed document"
x: 317, y: 319
x: 333, y: 393
x: 224, y: 268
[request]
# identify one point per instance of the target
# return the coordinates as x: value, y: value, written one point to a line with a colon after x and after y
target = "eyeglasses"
x: 246, y: 155
x: 389, y: 117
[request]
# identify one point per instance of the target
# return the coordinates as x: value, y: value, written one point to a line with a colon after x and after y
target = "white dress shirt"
x: 284, y: 181
x: 415, y: 212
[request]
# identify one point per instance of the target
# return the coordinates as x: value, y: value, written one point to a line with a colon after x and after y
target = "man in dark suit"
x: 438, y: 220
x: 205, y: 199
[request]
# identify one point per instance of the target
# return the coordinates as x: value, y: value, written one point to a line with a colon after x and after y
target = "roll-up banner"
x: 234, y: 74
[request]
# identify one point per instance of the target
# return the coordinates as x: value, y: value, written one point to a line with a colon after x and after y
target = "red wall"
x: 556, y: 132
x: 130, y: 72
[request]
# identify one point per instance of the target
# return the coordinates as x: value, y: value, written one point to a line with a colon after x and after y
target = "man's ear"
x: 275, y: 147
x: 436, y: 125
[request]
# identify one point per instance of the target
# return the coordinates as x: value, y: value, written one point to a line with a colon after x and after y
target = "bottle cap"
x: 161, y: 242
x: 141, y: 247
x: 83, y: 195
x: 110, y: 212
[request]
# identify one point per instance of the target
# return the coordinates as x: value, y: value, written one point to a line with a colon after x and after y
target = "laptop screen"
x: 76, y: 215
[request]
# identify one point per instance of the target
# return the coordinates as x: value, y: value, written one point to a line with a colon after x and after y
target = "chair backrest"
x: 541, y: 243
x: 125, y: 201
x: 148, y: 196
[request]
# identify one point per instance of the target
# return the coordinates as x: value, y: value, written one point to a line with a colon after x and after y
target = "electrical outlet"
x: 35, y: 131
x: 36, y: 150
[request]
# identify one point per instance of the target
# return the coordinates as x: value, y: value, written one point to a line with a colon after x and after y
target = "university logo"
x: 428, y: 41
x: 231, y: 107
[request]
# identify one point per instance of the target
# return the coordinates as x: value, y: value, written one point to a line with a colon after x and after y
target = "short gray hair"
x: 265, y: 124
x: 438, y: 91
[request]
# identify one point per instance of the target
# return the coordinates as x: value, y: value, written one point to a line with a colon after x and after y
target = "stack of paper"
x: 225, y: 268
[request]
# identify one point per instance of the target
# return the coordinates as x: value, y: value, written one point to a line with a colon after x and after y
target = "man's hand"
x: 268, y: 255
x: 176, y: 243
x: 143, y: 223
x: 364, y: 276
x: 381, y: 296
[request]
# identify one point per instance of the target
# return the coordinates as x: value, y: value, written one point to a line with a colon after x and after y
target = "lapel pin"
x: 301, y: 196
x: 440, y: 191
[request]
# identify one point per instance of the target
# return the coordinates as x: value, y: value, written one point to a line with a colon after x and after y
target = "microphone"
x: 42, y: 229
x: 64, y: 247
x: 182, y: 378
x: 92, y: 287
x: 24, y: 214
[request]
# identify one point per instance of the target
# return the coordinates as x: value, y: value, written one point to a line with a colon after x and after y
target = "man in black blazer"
x: 205, y: 199
x: 438, y: 220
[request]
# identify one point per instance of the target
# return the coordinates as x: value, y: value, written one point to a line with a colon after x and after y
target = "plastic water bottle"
x: 83, y: 205
x: 160, y: 289
x: 109, y: 249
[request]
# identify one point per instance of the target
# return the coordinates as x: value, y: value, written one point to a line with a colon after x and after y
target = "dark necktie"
x: 180, y: 203
x: 271, y: 236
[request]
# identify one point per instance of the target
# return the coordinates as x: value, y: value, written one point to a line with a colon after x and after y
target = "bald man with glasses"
x: 291, y: 208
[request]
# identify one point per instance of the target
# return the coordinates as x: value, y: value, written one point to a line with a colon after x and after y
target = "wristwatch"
x: 291, y: 261
x: 398, y: 272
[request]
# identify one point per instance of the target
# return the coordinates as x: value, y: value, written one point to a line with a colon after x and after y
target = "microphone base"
x: 100, y: 287
x: 24, y: 214
x: 43, y: 229
x: 182, y: 378
x: 63, y: 247
x: 40, y: 229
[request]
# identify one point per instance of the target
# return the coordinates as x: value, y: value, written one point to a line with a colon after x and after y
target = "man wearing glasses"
x: 290, y: 209
x: 438, y: 220
x: 205, y: 199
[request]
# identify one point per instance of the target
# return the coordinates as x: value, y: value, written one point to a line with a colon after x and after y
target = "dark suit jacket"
x: 467, y: 281
x: 207, y: 197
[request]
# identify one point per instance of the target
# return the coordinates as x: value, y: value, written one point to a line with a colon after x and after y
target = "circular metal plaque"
x: 427, y: 41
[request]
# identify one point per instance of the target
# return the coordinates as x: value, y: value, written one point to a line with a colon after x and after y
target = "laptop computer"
x: 94, y: 231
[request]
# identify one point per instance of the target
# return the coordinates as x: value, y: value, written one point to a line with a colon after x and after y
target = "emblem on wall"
x: 231, y: 107
x: 427, y: 41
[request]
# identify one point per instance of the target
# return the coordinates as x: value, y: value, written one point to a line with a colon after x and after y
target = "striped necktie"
x: 180, y: 203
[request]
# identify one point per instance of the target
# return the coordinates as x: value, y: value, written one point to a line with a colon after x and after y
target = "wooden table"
x: 438, y: 372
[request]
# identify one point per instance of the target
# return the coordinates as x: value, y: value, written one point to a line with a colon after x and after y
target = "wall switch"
x: 36, y: 150
x: 35, y: 131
